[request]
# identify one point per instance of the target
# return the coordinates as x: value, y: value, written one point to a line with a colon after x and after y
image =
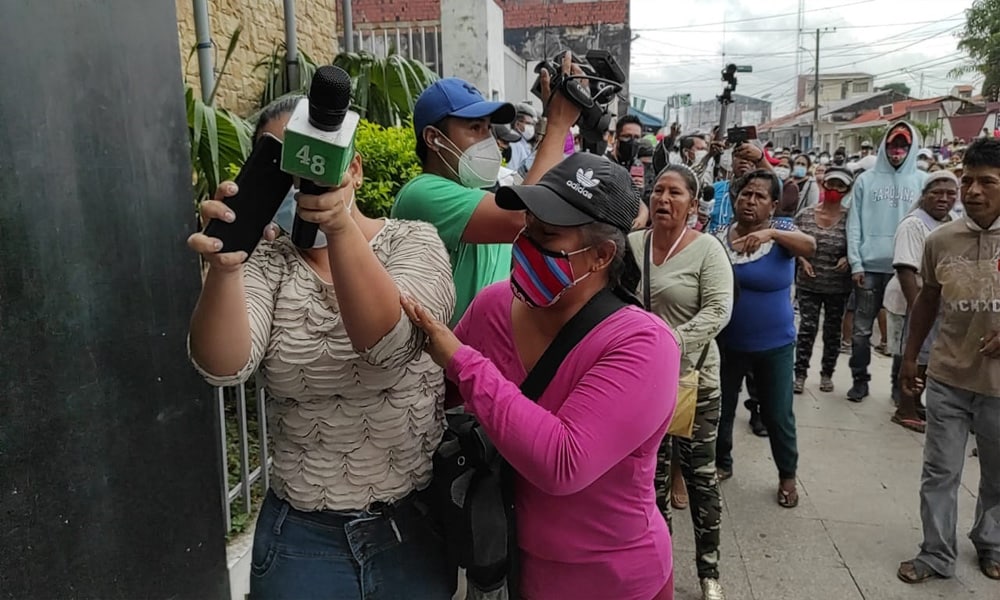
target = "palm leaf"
x: 385, y: 89
x: 218, y: 138
x: 233, y: 42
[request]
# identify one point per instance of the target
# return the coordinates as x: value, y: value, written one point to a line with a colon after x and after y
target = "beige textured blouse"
x: 348, y: 428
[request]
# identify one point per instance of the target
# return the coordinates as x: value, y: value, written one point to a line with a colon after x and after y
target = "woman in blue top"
x: 760, y: 337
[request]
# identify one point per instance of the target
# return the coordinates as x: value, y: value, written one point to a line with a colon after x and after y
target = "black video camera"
x: 606, y: 79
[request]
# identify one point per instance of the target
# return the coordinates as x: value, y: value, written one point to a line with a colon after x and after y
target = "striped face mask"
x: 539, y: 277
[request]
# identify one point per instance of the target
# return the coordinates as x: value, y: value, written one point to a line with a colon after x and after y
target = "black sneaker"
x: 756, y: 423
x: 858, y: 391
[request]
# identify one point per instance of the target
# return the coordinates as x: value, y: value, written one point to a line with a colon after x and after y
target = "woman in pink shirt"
x: 585, y: 453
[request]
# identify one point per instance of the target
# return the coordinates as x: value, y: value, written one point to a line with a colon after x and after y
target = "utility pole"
x: 348, y: 18
x: 921, y: 85
x: 815, y: 127
x: 800, y: 28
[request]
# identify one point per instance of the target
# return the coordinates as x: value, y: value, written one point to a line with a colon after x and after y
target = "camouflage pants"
x: 810, y: 304
x: 697, y: 457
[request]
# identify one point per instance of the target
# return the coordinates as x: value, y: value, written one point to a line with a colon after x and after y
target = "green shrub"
x: 390, y: 160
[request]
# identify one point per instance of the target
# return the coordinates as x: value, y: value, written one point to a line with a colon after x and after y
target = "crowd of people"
x: 705, y: 258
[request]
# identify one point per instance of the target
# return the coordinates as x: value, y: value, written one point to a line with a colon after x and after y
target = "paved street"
x: 858, y: 516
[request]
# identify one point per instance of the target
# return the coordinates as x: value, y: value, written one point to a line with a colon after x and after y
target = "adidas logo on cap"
x: 584, y: 180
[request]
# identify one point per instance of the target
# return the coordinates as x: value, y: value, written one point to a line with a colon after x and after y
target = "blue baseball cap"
x: 454, y: 97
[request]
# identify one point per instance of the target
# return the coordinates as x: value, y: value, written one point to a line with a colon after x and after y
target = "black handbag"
x: 473, y: 486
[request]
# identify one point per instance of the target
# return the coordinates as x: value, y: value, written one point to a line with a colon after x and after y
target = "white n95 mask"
x: 479, y: 165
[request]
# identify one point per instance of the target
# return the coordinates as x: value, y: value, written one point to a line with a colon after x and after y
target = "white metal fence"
x: 245, y: 423
x: 419, y: 41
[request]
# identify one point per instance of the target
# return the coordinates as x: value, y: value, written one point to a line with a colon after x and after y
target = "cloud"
x: 680, y: 45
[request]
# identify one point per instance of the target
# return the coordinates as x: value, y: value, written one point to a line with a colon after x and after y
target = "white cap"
x: 925, y: 153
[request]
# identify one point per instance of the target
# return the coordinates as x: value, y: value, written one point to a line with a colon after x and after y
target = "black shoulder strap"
x: 601, y: 306
x: 704, y: 355
x: 646, y: 300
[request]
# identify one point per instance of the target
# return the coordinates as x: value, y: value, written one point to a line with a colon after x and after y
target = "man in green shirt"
x: 460, y: 157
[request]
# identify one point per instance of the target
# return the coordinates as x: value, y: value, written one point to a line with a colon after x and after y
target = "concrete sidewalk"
x: 857, y: 518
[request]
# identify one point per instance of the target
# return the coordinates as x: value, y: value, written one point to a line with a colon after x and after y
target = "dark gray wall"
x: 108, y: 473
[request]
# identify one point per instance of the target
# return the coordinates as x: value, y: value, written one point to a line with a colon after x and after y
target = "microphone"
x: 319, y: 141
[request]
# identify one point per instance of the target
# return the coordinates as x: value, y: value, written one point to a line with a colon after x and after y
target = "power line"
x: 852, y: 63
x: 751, y: 19
x: 883, y: 54
x: 793, y: 29
x: 849, y: 49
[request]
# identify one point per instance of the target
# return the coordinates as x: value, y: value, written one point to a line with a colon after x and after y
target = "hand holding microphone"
x: 330, y: 211
x: 319, y: 144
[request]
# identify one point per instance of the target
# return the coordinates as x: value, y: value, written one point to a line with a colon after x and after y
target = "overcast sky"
x: 680, y: 45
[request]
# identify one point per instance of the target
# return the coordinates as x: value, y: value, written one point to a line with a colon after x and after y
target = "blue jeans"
x: 348, y: 556
x: 869, y: 302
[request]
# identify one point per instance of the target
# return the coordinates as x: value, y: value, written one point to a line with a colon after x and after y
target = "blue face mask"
x: 285, y: 217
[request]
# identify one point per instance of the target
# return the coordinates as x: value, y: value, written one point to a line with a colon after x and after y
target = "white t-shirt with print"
x: 908, y: 252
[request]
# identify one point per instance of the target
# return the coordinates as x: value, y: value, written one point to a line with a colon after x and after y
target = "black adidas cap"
x: 584, y: 188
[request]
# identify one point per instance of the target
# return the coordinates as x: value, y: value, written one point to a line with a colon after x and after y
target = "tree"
x: 980, y: 39
x: 897, y: 86
x: 873, y: 134
x: 928, y: 131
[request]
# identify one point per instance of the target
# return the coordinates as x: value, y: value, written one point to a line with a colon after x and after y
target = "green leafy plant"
x: 927, y: 130
x: 384, y: 90
x: 218, y: 137
x: 276, y: 83
x: 873, y: 134
x: 390, y: 160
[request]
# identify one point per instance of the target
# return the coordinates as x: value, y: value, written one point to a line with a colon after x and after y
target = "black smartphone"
x: 738, y: 135
x: 262, y: 188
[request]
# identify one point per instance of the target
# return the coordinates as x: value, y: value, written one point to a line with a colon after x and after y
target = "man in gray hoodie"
x: 881, y: 197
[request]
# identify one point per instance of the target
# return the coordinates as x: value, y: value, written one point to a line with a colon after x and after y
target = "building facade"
x: 263, y: 24
x: 833, y: 87
x: 799, y: 129
x: 703, y: 116
x: 532, y: 30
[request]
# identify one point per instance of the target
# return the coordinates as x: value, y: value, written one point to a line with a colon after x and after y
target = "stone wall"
x: 263, y: 27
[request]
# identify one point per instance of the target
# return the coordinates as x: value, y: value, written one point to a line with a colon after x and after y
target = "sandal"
x: 916, y: 424
x: 679, y: 497
x: 915, y: 571
x: 788, y: 498
x: 989, y: 567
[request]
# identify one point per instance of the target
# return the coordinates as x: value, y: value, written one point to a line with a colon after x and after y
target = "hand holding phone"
x: 260, y: 188
x: 211, y: 248
x: 638, y: 173
x: 739, y: 135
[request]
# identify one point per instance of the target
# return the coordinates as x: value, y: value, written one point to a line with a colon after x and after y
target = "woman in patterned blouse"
x: 355, y: 408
